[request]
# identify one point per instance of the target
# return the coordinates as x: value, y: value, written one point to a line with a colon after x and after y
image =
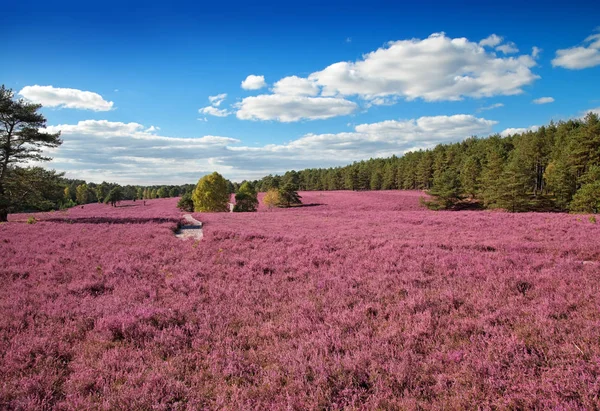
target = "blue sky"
x: 129, y: 84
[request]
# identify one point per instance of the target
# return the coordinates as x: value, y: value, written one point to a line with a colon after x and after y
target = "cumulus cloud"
x: 437, y: 68
x: 50, y: 96
x: 296, y: 86
x: 253, y: 82
x: 129, y: 153
x: 511, y: 131
x: 579, y: 57
x: 491, y: 41
x: 508, y: 48
x: 290, y: 108
x: 543, y: 100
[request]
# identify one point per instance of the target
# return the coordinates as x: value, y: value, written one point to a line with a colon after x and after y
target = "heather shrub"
x: 366, y: 301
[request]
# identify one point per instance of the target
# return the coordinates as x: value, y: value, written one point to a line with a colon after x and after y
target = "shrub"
x: 31, y: 220
x: 186, y: 203
x: 246, y: 199
x: 271, y: 198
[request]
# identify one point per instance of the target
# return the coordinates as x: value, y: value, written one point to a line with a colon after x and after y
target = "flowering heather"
x: 363, y: 301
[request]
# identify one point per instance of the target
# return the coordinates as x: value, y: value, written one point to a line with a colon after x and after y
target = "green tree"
x: 31, y: 188
x: 513, y: 185
x: 446, y: 190
x: 288, y: 195
x: 114, y: 196
x: 186, y: 203
x: 561, y: 182
x: 82, y: 194
x: 211, y: 193
x: 587, y: 198
x: 162, y: 192
x: 246, y: 199
x: 469, y: 176
x: 102, y: 191
x: 20, y: 141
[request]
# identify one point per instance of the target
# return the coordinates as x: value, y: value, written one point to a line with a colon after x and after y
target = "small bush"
x: 186, y: 203
x: 31, y: 220
x: 592, y: 219
x: 272, y: 198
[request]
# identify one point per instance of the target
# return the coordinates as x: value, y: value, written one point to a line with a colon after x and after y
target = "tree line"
x: 555, y: 168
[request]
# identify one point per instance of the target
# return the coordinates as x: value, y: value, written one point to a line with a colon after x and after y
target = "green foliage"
x: 211, y: 194
x: 82, y: 194
x: 246, y: 199
x: 446, y: 190
x: 32, y: 188
x: 469, y: 176
x: 512, y: 187
x: 114, y: 196
x: 288, y: 195
x: 186, y: 203
x: 587, y: 198
x: 162, y: 192
x: 31, y: 220
x: 20, y: 141
x: 592, y: 219
x: 245, y: 202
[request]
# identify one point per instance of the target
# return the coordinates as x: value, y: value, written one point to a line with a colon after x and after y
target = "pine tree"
x: 513, y: 185
x: 20, y: 141
x: 469, y: 176
x: 446, y: 190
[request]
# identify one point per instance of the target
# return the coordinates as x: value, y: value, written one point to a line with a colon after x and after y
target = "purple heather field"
x: 358, y: 300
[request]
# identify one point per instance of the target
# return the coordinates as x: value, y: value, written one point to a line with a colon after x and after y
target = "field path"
x: 191, y: 230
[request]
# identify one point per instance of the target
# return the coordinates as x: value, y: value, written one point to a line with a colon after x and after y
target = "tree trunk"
x: 3, y: 215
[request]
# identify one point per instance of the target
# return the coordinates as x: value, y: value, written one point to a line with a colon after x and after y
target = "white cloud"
x: 214, y: 111
x: 217, y: 100
x: 254, y: 82
x: 128, y: 153
x: 490, y: 107
x: 508, y: 48
x: 296, y: 86
x: 535, y: 52
x: 437, y: 68
x: 292, y: 108
x: 511, y: 131
x: 50, y: 96
x: 543, y: 100
x: 367, y: 140
x: 491, y: 41
x: 585, y: 113
x: 579, y: 57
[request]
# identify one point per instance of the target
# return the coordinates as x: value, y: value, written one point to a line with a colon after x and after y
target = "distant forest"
x: 556, y: 168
